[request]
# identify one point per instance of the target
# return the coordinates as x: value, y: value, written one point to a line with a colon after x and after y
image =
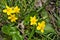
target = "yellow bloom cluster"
x: 33, y: 20
x: 10, y: 12
x: 12, y: 18
x: 40, y: 26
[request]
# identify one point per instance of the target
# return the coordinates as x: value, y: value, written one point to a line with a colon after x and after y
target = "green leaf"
x: 9, y: 30
x: 7, y: 38
x: 49, y: 28
x: 58, y: 23
x: 44, y: 13
x: 17, y: 37
x: 26, y: 20
x: 12, y: 31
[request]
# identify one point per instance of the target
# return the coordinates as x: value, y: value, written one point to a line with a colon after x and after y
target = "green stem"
x: 57, y: 6
x: 56, y: 16
x: 30, y: 36
x: 57, y: 3
x: 46, y: 36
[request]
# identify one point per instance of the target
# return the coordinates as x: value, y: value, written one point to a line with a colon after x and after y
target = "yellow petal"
x: 43, y: 22
x: 38, y: 28
x: 42, y: 31
x: 9, y: 17
x: 8, y: 13
x: 7, y: 6
x: 12, y: 20
x: 34, y: 17
x: 30, y: 17
x: 16, y: 9
x: 4, y: 10
x: 16, y: 18
x: 38, y: 23
x: 31, y: 23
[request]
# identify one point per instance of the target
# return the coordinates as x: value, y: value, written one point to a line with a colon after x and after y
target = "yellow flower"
x: 12, y: 18
x: 33, y: 20
x: 41, y: 26
x: 16, y: 9
x: 8, y: 10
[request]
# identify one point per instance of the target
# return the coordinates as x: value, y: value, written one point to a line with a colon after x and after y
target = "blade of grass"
x: 31, y: 34
x: 43, y: 6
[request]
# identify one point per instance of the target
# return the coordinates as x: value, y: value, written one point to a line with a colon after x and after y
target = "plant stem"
x: 30, y: 36
x: 57, y: 7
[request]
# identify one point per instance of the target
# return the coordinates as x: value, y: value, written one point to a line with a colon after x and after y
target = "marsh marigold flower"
x: 33, y: 20
x: 16, y: 9
x: 12, y: 18
x: 8, y: 10
x: 41, y: 26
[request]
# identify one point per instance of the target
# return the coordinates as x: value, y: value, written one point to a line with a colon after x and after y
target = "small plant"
x: 29, y: 20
